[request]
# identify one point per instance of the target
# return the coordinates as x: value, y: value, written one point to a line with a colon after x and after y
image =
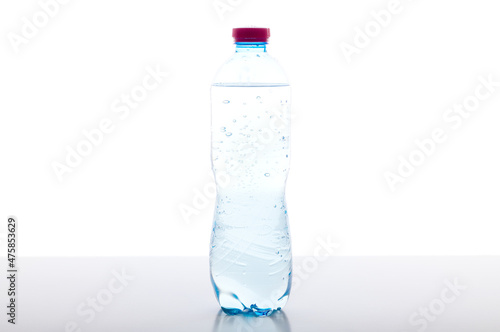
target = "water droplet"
x: 274, y: 205
x: 226, y: 101
x: 228, y: 134
x: 267, y: 174
x: 234, y: 120
x: 287, y: 156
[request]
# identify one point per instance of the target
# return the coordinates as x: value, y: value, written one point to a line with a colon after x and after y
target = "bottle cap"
x: 248, y: 35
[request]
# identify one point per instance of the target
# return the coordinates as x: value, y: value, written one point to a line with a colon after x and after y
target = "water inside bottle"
x: 250, y: 255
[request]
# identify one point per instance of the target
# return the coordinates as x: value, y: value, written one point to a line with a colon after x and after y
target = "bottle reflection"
x: 277, y: 322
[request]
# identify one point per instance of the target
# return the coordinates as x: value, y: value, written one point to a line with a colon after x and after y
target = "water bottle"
x: 250, y: 253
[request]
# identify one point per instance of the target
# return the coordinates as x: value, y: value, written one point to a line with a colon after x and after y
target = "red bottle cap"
x: 258, y: 35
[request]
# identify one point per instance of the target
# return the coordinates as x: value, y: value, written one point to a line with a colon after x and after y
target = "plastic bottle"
x: 250, y: 254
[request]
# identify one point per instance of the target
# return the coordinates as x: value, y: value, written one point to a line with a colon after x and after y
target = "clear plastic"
x: 250, y: 254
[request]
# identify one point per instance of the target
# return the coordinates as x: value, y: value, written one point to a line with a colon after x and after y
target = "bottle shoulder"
x: 251, y: 68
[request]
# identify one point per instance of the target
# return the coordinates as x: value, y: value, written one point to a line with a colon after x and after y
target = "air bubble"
x: 226, y: 101
x: 267, y: 174
x: 223, y: 129
x: 228, y: 134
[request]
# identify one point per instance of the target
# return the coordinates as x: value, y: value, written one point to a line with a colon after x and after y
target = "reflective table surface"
x: 337, y: 294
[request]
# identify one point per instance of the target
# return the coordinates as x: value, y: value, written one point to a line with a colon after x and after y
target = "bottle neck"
x: 252, y: 47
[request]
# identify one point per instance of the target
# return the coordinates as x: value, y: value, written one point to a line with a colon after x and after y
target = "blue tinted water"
x: 250, y: 255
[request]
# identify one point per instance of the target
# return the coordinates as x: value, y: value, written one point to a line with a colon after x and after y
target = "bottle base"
x: 231, y: 304
x: 245, y: 305
x: 252, y: 311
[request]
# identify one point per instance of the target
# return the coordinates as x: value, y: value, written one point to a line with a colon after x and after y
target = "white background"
x: 352, y: 122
